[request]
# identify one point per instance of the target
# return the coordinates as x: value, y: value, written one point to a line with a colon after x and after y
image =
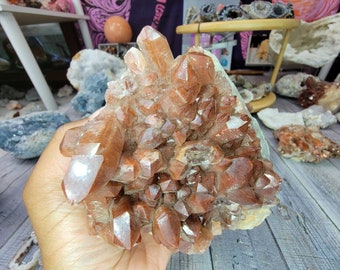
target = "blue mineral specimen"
x: 27, y: 136
x: 92, y: 96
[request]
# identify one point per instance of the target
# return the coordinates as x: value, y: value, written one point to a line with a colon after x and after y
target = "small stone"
x: 143, y: 211
x: 292, y: 85
x: 65, y: 91
x: 68, y: 144
x: 167, y: 184
x: 32, y: 95
x: 169, y: 199
x: 4, y: 64
x: 32, y: 107
x: 338, y: 116
x: 153, y: 192
x: 13, y: 105
x: 182, y: 209
x: 200, y: 203
x: 9, y: 92
x: 27, y: 136
x: 316, y: 115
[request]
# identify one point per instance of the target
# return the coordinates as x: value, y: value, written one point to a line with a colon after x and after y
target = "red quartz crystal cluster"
x: 173, y: 152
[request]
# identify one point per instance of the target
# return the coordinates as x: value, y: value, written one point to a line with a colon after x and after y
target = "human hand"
x: 61, y: 228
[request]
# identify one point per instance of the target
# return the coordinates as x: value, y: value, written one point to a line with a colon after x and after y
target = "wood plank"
x: 247, y: 249
x: 320, y: 179
x: 27, y: 15
x: 17, y: 240
x: 180, y: 261
x: 306, y: 223
x: 12, y: 169
x: 13, y: 211
x: 306, y: 235
x: 2, y: 153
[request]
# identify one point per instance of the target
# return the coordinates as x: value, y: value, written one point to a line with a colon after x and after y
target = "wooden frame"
x: 245, y: 25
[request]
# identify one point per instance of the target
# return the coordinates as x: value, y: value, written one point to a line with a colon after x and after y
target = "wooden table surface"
x: 301, y: 233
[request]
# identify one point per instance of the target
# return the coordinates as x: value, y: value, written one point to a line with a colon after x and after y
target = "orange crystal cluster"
x: 306, y: 144
x: 173, y: 152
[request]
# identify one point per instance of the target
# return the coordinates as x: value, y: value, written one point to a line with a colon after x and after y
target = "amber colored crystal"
x: 155, y: 49
x: 174, y: 152
x: 169, y: 199
x: 128, y: 170
x: 166, y: 227
x: 150, y: 161
x: 143, y: 211
x: 69, y: 142
x: 200, y: 203
x: 182, y: 209
x: 126, y: 228
x: 167, y: 184
x: 104, y: 141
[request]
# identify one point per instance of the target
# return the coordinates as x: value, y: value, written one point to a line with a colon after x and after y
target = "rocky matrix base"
x: 174, y: 152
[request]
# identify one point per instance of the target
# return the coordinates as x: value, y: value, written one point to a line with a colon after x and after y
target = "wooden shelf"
x: 238, y: 26
x: 244, y: 25
x: 13, y: 16
x: 27, y: 16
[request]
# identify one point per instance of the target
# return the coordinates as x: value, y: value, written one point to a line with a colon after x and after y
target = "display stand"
x: 12, y: 16
x: 244, y: 25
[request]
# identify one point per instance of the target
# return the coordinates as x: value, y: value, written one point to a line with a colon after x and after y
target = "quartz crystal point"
x: 174, y: 152
x: 156, y: 50
x: 101, y: 140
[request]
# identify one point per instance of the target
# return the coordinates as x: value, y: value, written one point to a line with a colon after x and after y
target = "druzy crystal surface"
x: 306, y: 144
x: 174, y: 152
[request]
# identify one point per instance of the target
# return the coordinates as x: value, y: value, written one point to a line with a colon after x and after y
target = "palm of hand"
x: 62, y: 231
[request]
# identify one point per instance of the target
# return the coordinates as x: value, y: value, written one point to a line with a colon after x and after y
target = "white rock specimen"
x: 338, y: 116
x: 313, y: 44
x: 13, y: 105
x: 89, y: 73
x: 247, y: 95
x: 251, y: 91
x: 316, y: 115
x: 313, y: 116
x: 292, y: 85
x: 273, y: 119
x: 337, y: 79
x: 88, y: 62
x: 65, y: 91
